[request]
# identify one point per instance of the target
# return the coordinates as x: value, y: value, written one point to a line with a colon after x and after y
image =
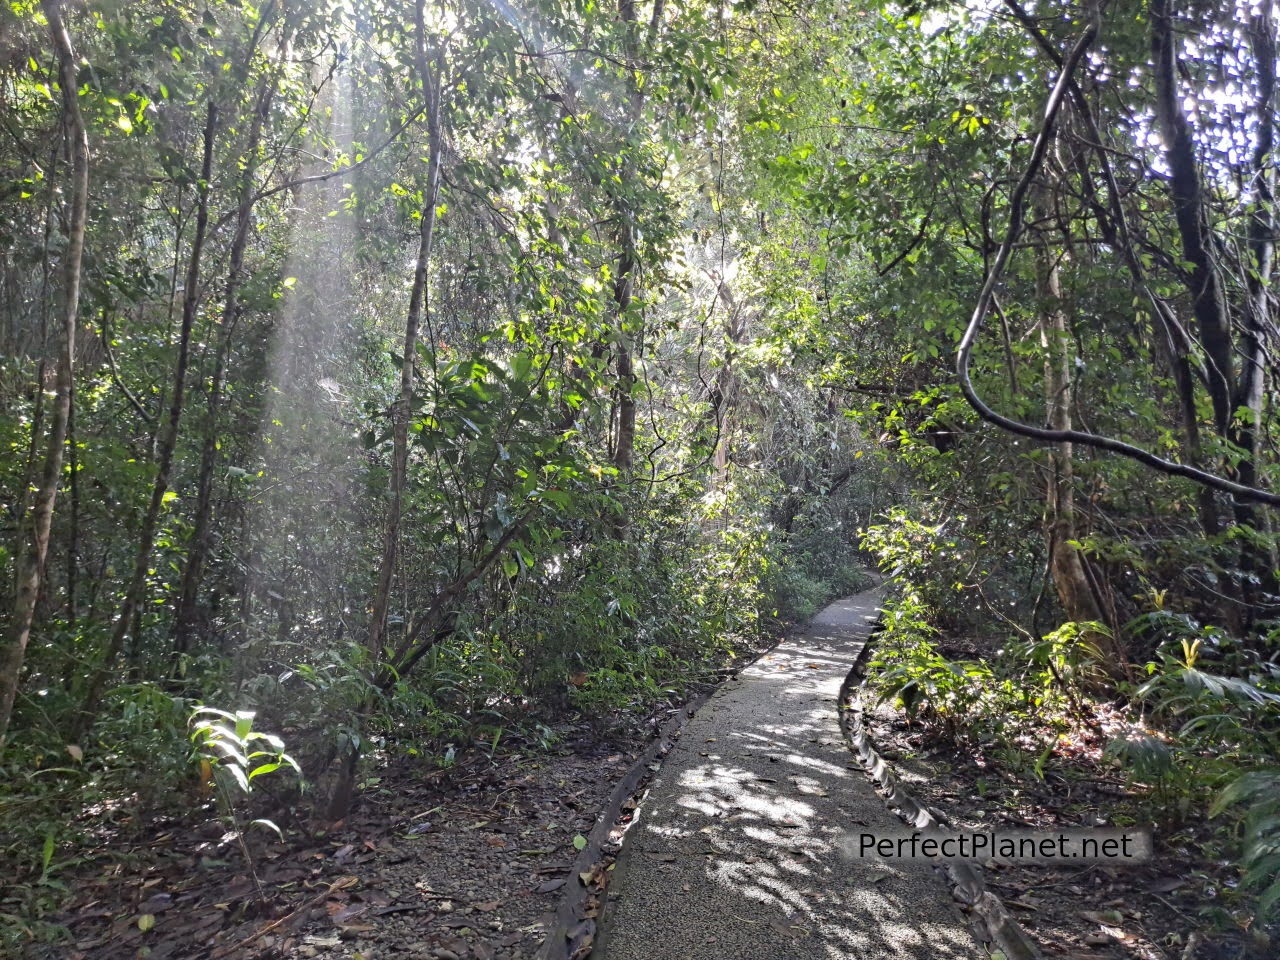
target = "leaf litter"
x: 468, y: 865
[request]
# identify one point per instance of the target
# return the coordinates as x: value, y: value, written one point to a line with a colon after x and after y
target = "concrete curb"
x: 1001, y: 928
x: 572, y: 934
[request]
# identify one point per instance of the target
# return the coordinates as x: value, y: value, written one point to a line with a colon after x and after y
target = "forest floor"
x: 470, y: 862
x: 1173, y: 907
x: 436, y: 864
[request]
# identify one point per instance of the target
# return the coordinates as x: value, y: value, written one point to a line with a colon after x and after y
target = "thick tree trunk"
x: 1258, y: 564
x: 33, y: 545
x: 1205, y: 287
x: 1228, y: 391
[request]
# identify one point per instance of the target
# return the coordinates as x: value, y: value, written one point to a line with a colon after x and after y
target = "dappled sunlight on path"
x: 735, y: 854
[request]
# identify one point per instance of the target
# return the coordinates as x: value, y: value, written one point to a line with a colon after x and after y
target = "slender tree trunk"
x: 628, y: 263
x: 33, y: 545
x: 185, y: 616
x: 73, y: 533
x: 168, y: 439
x: 1065, y: 564
x: 419, y: 310
x: 624, y: 389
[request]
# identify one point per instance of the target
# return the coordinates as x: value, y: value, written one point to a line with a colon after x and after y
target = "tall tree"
x: 33, y: 548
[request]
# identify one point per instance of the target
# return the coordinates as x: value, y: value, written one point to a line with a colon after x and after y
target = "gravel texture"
x: 737, y: 851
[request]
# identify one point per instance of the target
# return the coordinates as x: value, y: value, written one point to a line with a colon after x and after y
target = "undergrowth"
x: 1200, y: 747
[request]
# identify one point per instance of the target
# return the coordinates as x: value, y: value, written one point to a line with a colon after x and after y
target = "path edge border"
x: 571, y: 935
x: 967, y: 884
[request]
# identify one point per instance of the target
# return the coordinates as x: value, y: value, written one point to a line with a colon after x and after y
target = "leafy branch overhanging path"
x: 986, y: 297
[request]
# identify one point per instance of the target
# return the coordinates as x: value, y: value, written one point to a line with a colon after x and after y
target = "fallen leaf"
x: 783, y: 928
x: 1108, y: 918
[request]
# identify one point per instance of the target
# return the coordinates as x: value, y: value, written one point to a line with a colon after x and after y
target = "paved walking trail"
x: 736, y: 853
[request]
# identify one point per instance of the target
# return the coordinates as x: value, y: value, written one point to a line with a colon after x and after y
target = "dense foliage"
x: 407, y: 372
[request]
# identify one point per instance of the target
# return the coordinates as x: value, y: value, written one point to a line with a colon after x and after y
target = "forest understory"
x: 397, y: 396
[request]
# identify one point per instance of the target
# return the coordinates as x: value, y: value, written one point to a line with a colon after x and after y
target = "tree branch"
x: 1017, y: 203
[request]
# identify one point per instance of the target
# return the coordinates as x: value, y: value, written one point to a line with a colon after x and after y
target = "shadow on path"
x: 736, y: 851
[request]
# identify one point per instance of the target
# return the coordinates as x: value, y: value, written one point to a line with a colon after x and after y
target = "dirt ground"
x: 466, y: 862
x: 1179, y: 905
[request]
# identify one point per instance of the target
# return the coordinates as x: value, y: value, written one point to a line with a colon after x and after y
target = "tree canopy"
x: 403, y: 371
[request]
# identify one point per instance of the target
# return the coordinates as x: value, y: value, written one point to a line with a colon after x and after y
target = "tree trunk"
x: 419, y: 309
x: 1227, y: 391
x: 1069, y: 578
x: 624, y: 390
x: 33, y: 545
x: 185, y: 616
x: 1066, y: 566
x: 168, y: 438
x: 628, y: 264
x: 1187, y: 193
x: 1257, y: 563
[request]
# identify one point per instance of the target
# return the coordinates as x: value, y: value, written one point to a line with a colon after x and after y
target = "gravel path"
x: 736, y: 852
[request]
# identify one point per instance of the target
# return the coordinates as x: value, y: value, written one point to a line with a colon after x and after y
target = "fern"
x: 1259, y: 793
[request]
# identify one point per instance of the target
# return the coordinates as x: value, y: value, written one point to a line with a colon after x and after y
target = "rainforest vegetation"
x: 393, y: 378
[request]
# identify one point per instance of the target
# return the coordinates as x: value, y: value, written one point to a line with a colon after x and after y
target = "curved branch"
x: 321, y: 177
x: 1017, y: 204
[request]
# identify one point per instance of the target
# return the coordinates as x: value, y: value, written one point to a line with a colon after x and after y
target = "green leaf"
x: 269, y: 825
